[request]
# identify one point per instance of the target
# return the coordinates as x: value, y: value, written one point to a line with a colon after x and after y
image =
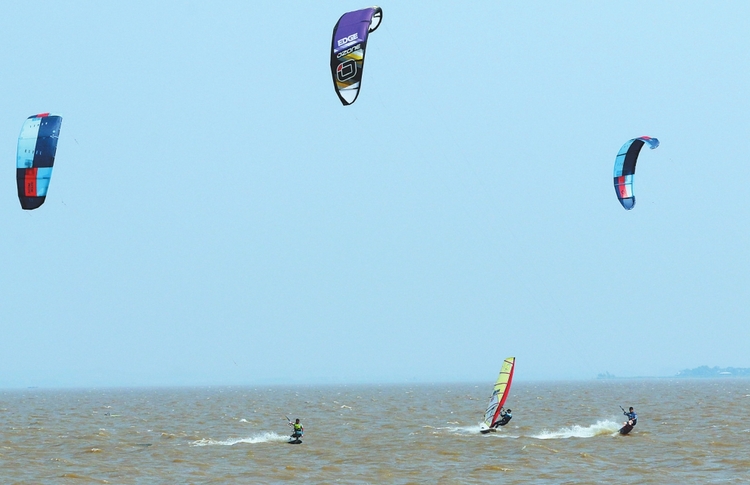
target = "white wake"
x: 259, y: 438
x: 601, y: 428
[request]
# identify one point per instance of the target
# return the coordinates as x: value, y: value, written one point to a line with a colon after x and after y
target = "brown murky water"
x: 689, y: 431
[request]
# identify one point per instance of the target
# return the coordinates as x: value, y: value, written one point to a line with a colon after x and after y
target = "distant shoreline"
x: 703, y: 372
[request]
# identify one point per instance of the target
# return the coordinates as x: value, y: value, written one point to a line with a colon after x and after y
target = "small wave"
x: 75, y: 475
x: 601, y: 428
x: 260, y: 438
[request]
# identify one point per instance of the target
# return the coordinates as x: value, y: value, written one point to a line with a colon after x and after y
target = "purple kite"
x: 348, y: 50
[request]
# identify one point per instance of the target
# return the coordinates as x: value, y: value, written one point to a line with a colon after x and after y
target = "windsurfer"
x: 505, y: 417
x: 495, y: 415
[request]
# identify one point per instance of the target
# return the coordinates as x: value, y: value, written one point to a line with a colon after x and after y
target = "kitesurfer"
x: 298, y: 429
x: 505, y: 417
x: 632, y: 417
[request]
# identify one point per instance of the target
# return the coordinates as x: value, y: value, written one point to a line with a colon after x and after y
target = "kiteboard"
x: 295, y: 441
x: 627, y: 428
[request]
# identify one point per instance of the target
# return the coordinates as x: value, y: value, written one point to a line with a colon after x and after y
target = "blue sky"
x: 216, y: 216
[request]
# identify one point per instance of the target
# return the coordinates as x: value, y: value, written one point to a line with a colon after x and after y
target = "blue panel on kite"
x: 37, y: 145
x: 625, y: 168
x: 348, y: 50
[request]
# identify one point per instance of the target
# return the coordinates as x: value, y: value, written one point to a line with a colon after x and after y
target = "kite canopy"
x: 348, y: 50
x: 625, y: 168
x: 35, y: 156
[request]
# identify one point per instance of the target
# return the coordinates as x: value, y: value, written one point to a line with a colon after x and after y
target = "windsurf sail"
x: 348, y: 50
x: 37, y: 145
x: 500, y: 392
x: 625, y: 168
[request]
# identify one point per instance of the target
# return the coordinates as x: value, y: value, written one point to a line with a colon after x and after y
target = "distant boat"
x: 492, y: 417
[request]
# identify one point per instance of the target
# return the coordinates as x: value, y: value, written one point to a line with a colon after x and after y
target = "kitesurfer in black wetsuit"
x: 505, y: 416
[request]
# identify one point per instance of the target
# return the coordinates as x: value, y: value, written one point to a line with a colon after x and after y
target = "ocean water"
x: 689, y: 431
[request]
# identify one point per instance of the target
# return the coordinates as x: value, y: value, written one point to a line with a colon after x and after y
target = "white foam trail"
x: 463, y: 429
x: 473, y: 430
x: 260, y: 438
x: 605, y: 427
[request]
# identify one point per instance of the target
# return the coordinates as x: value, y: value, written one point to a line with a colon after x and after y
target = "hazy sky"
x: 216, y: 216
